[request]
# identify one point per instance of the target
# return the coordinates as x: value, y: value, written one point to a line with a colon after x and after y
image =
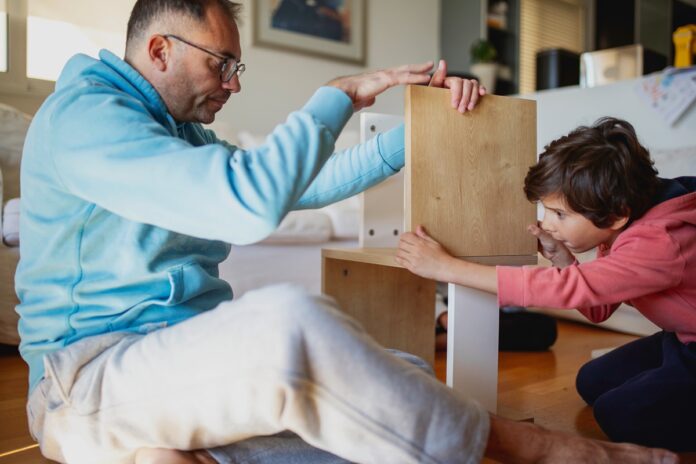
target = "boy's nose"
x: 546, y: 224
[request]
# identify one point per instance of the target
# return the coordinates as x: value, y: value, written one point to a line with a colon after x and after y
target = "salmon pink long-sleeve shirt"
x: 651, y: 266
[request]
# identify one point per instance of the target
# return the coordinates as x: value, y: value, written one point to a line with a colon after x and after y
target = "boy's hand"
x: 422, y: 255
x: 550, y: 248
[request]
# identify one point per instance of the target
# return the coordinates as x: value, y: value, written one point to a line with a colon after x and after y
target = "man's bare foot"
x: 571, y: 449
x: 167, y: 456
x: 522, y: 442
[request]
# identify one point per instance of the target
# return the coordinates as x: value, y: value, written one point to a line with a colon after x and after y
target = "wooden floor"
x: 538, y: 385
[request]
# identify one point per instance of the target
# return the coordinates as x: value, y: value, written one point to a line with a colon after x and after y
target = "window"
x: 56, y: 33
x: 3, y: 36
x: 37, y: 37
x: 547, y: 24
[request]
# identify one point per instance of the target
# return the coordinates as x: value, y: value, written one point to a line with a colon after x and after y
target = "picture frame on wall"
x: 332, y: 29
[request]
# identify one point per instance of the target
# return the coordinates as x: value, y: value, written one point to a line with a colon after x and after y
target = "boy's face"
x: 574, y: 230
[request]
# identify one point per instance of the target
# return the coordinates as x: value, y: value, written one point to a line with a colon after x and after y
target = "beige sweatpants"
x: 276, y: 359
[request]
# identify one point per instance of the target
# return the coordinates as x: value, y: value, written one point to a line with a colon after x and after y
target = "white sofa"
x: 13, y: 129
x: 291, y: 254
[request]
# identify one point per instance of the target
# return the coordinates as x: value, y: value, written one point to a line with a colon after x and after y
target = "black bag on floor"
x: 522, y: 330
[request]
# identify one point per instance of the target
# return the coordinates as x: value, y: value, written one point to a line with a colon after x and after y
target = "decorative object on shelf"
x: 670, y: 92
x: 329, y: 28
x: 497, y: 14
x: 483, y: 55
x: 684, y: 39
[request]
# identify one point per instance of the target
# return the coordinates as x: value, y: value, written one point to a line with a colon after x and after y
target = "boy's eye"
x: 560, y: 214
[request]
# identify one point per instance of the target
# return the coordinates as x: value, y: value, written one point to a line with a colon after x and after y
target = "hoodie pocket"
x: 190, y: 281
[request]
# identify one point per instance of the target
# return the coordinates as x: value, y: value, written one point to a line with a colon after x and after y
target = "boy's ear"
x: 619, y: 223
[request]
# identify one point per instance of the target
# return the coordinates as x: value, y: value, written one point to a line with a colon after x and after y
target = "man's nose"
x: 233, y: 85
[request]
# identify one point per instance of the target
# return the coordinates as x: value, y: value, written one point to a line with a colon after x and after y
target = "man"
x: 135, y: 351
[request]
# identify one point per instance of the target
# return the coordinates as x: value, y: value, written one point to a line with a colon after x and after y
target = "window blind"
x: 548, y: 24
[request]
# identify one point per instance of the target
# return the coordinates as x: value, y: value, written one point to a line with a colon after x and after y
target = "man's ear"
x: 619, y: 223
x: 159, y: 51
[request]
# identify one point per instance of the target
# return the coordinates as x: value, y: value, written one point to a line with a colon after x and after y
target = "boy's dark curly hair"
x: 602, y: 172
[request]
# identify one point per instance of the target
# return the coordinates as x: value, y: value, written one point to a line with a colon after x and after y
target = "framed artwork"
x: 330, y: 28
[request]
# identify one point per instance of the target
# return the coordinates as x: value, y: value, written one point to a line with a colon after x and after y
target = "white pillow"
x: 10, y: 223
x: 675, y: 162
x: 13, y: 130
x: 345, y: 140
x: 345, y: 217
x: 307, y: 226
x: 247, y: 140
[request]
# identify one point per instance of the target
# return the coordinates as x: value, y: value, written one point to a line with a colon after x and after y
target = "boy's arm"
x: 645, y: 261
x: 424, y: 256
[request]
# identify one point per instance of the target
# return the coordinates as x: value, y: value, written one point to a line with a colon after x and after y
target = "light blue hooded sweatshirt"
x: 126, y: 213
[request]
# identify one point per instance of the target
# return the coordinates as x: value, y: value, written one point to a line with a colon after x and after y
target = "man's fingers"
x: 438, y: 79
x: 475, y: 92
x: 416, y: 68
x: 466, y: 96
x: 455, y: 85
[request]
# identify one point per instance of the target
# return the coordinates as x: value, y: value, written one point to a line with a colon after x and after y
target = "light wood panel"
x: 385, y: 257
x: 394, y: 306
x: 465, y: 172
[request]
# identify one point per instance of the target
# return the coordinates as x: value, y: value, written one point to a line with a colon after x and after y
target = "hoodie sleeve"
x: 645, y: 261
x: 351, y: 171
x: 356, y: 169
x: 108, y: 150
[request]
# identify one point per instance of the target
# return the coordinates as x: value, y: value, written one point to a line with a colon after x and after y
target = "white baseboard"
x: 626, y: 319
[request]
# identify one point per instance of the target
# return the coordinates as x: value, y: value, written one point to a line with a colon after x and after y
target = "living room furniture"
x: 463, y: 180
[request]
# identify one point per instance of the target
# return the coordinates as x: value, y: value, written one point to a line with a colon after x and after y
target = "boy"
x: 599, y: 189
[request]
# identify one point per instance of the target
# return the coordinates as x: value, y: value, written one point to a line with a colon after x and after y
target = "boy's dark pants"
x: 645, y: 392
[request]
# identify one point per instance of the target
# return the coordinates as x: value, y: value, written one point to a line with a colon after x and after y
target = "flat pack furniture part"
x: 381, y: 206
x: 463, y: 181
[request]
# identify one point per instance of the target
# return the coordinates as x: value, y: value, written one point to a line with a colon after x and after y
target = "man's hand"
x: 422, y: 255
x: 550, y: 248
x: 465, y: 92
x: 364, y: 88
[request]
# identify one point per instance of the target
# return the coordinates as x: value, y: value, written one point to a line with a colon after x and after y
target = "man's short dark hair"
x: 146, y: 11
x: 601, y: 171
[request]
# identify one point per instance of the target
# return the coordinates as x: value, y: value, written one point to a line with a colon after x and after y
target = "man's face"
x: 192, y: 90
x: 573, y: 229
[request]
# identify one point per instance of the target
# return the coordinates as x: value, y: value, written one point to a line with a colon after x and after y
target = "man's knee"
x: 290, y: 308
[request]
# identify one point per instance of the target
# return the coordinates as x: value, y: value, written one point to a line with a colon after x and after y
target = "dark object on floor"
x: 526, y: 331
x: 520, y: 330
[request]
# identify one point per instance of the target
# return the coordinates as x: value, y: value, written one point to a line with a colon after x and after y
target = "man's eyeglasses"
x: 229, y: 66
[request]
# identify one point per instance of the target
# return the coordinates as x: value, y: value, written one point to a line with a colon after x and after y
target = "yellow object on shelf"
x: 684, y: 45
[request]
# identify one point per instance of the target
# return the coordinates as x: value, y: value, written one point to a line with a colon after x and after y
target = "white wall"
x: 561, y: 110
x: 279, y: 82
